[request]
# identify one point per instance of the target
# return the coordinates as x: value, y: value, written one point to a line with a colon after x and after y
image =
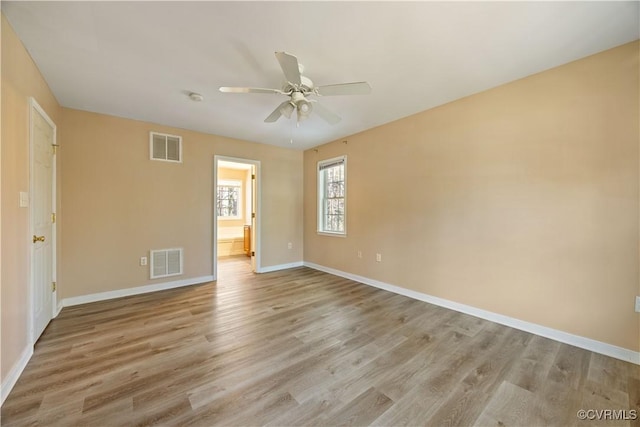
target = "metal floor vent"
x: 166, y: 262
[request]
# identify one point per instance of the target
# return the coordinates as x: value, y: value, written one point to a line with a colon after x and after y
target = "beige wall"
x: 521, y: 200
x: 118, y: 204
x: 20, y: 81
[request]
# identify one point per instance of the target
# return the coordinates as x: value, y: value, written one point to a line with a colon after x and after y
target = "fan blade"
x: 357, y: 88
x: 328, y: 115
x: 283, y: 109
x: 289, y: 65
x: 227, y: 89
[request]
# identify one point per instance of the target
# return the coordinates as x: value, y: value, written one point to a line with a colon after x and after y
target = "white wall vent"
x: 165, y: 147
x: 166, y: 262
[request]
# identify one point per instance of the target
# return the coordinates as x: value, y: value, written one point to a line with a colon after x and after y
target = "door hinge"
x: 253, y: 214
x: 253, y: 176
x: 55, y: 148
x: 53, y: 218
x: 53, y: 286
x: 253, y: 253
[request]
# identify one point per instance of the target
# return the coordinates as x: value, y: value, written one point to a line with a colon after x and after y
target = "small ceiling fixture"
x: 196, y: 97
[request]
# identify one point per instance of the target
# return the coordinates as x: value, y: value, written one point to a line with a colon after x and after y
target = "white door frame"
x: 34, y: 106
x: 258, y: 227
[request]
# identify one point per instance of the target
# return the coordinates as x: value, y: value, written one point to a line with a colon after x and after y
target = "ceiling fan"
x: 298, y: 88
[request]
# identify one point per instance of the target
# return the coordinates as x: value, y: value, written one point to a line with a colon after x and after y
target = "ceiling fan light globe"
x: 304, y: 108
x: 287, y: 109
x: 302, y: 117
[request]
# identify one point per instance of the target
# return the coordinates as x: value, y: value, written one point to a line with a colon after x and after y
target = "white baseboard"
x: 271, y: 268
x: 12, y: 377
x: 101, y: 296
x: 554, y: 334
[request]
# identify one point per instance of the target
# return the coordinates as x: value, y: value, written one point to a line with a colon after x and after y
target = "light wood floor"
x: 301, y: 347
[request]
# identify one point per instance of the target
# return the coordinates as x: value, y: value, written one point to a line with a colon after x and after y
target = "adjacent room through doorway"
x: 235, y: 215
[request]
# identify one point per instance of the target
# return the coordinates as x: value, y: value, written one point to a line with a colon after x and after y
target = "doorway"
x: 236, y: 215
x: 42, y: 177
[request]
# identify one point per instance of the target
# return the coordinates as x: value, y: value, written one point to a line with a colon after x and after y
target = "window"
x: 165, y: 147
x: 228, y: 199
x: 332, y: 196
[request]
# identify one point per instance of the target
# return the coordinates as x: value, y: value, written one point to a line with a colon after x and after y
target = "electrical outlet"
x: 379, y: 257
x: 638, y: 304
x: 143, y: 260
x: 360, y: 254
x: 290, y: 245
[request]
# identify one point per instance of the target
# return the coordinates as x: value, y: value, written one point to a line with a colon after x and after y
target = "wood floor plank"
x: 302, y: 347
x: 530, y: 371
x: 362, y: 410
x: 634, y: 398
x: 508, y: 406
x: 412, y: 409
x: 343, y: 390
x: 310, y: 413
x: 482, y: 376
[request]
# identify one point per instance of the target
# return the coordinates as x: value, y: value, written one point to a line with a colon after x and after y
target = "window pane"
x: 227, y: 201
x: 334, y: 223
x: 330, y: 207
x: 336, y: 207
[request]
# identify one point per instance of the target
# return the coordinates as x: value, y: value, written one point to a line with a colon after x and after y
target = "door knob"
x: 38, y: 238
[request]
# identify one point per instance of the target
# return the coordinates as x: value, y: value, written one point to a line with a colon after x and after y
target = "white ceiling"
x: 141, y: 59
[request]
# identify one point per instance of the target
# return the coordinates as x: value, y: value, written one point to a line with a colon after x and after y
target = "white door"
x: 42, y: 208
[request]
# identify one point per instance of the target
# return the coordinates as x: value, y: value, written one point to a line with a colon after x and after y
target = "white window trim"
x: 166, y: 135
x: 231, y: 183
x: 320, y: 193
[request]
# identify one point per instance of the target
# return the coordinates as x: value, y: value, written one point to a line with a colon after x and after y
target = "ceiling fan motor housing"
x: 306, y: 86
